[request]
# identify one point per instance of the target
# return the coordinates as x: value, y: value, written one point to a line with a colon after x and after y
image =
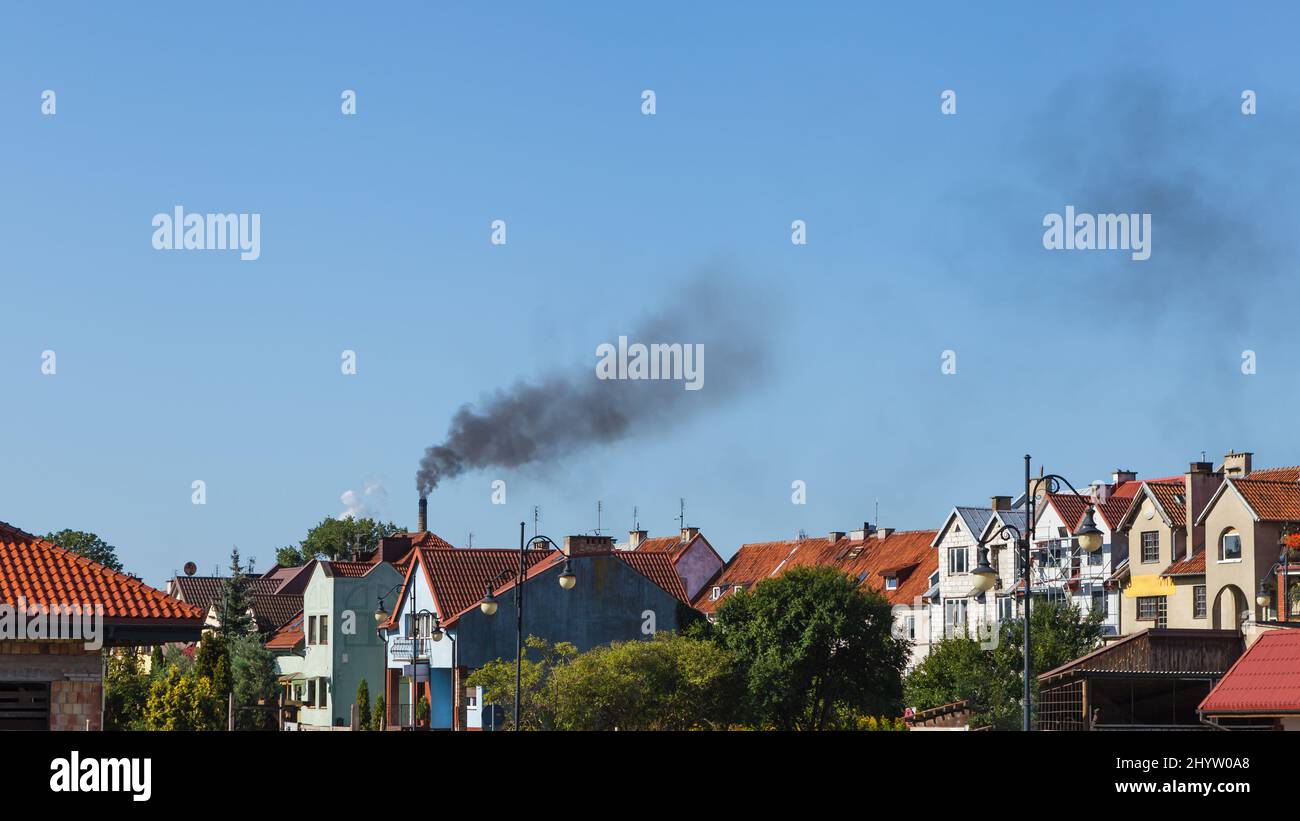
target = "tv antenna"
x: 537, y: 517
x: 681, y: 513
x: 471, y: 539
x: 636, y: 518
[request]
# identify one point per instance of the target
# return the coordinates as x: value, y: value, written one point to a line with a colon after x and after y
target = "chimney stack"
x: 1000, y: 502
x: 689, y: 533
x: 422, y: 521
x: 883, y: 533
x: 635, y: 538
x: 588, y: 545
x: 1237, y: 465
x: 835, y: 535
x: 1122, y: 476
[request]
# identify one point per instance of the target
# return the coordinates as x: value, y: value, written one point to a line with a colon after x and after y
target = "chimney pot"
x: 422, y: 520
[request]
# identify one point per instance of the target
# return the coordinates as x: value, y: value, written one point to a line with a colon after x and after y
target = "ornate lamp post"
x: 489, y: 603
x: 1090, y: 539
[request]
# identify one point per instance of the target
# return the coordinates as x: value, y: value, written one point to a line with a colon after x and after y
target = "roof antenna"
x: 471, y: 538
x: 877, y: 511
x: 681, y: 514
x: 600, y: 508
x: 636, y: 518
x: 537, y: 516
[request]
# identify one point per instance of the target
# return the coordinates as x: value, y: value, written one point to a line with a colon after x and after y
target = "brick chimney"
x: 1237, y: 465
x: 1121, y: 476
x: 1000, y: 502
x: 588, y: 545
x: 422, y: 520
x: 1199, y: 485
x: 635, y: 538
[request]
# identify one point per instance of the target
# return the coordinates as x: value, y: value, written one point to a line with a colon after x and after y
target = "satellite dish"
x: 191, y: 568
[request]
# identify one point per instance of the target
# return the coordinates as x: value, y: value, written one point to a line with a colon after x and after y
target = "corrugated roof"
x: 1265, y: 680
x: 42, y: 573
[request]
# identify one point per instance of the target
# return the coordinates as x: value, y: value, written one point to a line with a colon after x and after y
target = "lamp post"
x: 489, y: 603
x: 382, y: 615
x: 1090, y: 539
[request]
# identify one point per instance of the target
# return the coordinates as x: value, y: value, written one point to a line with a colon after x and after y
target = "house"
x: 1154, y: 679
x: 957, y: 611
x: 1245, y: 523
x: 58, y: 613
x: 1201, y: 545
x: 269, y: 608
x: 1164, y: 582
x: 692, y: 556
x: 618, y: 595
x: 1262, y: 689
x: 901, y: 565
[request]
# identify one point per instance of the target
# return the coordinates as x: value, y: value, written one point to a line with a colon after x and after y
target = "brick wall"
x: 74, y: 675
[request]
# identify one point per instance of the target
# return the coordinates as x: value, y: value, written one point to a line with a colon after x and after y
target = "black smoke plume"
x: 565, y: 411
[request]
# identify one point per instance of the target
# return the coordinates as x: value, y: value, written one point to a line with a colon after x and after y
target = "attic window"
x: 891, y: 582
x: 934, y: 578
x: 737, y: 589
x: 1178, y: 497
x: 717, y: 592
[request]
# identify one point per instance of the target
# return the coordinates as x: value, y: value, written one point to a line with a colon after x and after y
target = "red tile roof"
x: 658, y: 568
x: 289, y: 636
x: 663, y: 544
x: 43, y: 573
x: 1193, y: 566
x: 1069, y: 507
x: 1272, y: 501
x: 459, y: 576
x: 906, y: 555
x: 1285, y: 474
x: 348, y: 570
x: 1171, y: 498
x: 1264, y: 681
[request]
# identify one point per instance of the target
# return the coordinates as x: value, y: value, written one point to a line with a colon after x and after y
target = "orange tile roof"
x: 1069, y: 507
x: 43, y: 573
x: 662, y: 544
x: 1272, y: 501
x: 1170, y: 497
x: 1264, y: 681
x: 1192, y: 566
x: 459, y: 577
x: 658, y: 568
x: 907, y: 555
x: 1285, y: 474
x: 289, y: 636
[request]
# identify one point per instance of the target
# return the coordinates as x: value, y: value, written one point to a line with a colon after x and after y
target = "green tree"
x: 379, y: 718
x: 363, y: 705
x: 958, y: 669
x: 816, y: 648
x: 126, y: 691
x: 236, y: 601
x: 497, y: 678
x: 668, y: 683
x: 183, y: 701
x: 336, y: 539
x: 992, y: 680
x: 89, y: 545
x: 254, y: 681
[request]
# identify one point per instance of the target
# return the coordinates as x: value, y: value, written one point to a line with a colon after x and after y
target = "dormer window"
x: 737, y: 589
x: 716, y: 594
x: 891, y: 582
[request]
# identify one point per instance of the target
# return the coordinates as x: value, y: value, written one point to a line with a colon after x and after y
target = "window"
x: 1230, y: 547
x: 956, y: 560
x: 310, y: 699
x: 471, y: 697
x: 1149, y: 608
x: 954, y: 616
x: 891, y: 582
x: 1099, y: 602
x: 311, y: 629
x: 737, y: 588
x: 324, y: 630
x: 1006, y: 608
x: 1151, y: 546
x: 909, y: 626
x: 322, y: 692
x: 1198, y: 601
x: 717, y: 592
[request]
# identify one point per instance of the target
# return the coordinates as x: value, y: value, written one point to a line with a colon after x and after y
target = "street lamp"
x: 489, y: 603
x: 985, y: 576
x: 1262, y: 598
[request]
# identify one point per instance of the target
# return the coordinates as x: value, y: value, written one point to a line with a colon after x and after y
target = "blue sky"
x: 924, y: 235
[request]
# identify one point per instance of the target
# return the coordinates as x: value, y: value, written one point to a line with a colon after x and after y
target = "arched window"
x: 1230, y: 546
